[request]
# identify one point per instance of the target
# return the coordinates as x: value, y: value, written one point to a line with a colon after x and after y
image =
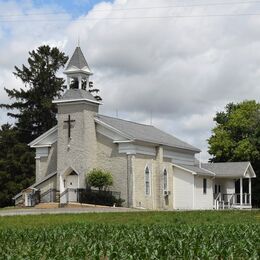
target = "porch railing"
x: 50, y: 195
x: 228, y: 200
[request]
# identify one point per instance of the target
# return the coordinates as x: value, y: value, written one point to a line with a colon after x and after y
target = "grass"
x: 133, y: 235
x: 146, y: 218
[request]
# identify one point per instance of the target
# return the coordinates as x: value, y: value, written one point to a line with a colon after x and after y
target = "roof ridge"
x: 126, y: 120
x: 226, y: 162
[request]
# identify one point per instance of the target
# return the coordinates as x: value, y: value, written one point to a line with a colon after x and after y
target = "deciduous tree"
x: 236, y: 137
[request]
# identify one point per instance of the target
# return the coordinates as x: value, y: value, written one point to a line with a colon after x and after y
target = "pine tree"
x: 35, y: 111
x: 34, y: 114
x: 16, y: 165
x: 94, y: 91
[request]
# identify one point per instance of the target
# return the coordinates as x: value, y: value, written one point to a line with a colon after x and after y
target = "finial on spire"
x: 78, y: 40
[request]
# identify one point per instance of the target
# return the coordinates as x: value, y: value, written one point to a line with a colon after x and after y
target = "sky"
x: 172, y: 63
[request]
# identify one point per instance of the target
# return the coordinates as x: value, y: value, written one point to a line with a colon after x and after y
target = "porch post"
x: 241, y: 192
x: 250, y: 191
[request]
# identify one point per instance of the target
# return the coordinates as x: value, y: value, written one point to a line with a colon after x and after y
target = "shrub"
x: 99, y: 179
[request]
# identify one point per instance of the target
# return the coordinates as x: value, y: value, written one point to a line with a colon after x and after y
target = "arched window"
x: 165, y: 180
x: 147, y: 181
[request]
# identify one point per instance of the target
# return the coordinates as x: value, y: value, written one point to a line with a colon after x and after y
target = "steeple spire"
x: 77, y: 69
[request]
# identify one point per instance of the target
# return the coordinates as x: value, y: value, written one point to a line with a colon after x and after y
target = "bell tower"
x: 76, y: 141
x: 77, y: 71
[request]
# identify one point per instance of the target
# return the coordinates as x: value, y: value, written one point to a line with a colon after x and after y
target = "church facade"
x: 151, y: 169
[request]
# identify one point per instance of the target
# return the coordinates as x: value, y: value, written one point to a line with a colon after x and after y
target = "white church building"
x: 151, y: 169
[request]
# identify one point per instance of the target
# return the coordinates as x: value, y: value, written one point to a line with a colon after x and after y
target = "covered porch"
x: 232, y: 184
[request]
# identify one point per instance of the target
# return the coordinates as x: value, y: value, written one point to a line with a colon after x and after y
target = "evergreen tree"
x: 16, y: 165
x: 33, y: 106
x: 34, y: 114
x: 94, y: 91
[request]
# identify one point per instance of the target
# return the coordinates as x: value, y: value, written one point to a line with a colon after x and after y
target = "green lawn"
x: 133, y: 235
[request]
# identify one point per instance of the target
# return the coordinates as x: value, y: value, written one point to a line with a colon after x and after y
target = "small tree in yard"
x: 99, y: 179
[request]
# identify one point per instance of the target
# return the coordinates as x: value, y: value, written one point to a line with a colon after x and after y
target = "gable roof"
x: 46, y: 139
x: 142, y: 132
x: 194, y: 169
x: 78, y: 62
x: 37, y: 183
x: 73, y: 95
x: 229, y: 169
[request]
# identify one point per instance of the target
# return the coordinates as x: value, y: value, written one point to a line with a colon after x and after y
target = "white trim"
x: 43, y: 145
x: 182, y: 168
x: 249, y: 166
x: 75, y: 100
x: 122, y: 141
x: 75, y: 70
x: 41, y: 137
x: 131, y: 148
x: 213, y: 173
x: 69, y: 170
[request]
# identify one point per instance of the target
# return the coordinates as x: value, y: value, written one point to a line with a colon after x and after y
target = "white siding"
x: 201, y: 200
x: 182, y: 189
x: 179, y: 157
x: 227, y: 185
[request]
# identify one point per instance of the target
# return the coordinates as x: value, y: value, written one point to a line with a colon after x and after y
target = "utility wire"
x: 137, y: 18
x: 139, y: 8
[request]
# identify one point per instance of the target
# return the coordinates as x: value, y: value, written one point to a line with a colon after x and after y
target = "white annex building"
x: 151, y: 169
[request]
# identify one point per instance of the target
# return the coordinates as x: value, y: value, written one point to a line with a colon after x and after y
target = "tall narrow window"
x: 204, y: 186
x: 147, y: 181
x: 165, y: 180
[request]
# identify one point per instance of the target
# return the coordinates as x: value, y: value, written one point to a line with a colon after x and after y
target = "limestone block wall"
x: 139, y: 165
x: 41, y: 167
x: 156, y: 198
x: 78, y: 152
x: 109, y: 159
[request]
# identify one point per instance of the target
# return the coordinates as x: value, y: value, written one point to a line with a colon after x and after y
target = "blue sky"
x: 182, y: 70
x: 74, y: 7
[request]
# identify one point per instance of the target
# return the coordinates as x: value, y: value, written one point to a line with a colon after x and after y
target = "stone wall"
x: 156, y: 165
x: 109, y: 159
x: 79, y: 151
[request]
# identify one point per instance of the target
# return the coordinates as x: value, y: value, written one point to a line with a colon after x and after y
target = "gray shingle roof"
x: 227, y: 169
x: 147, y: 133
x: 77, y: 60
x: 197, y: 169
x: 74, y: 94
x: 37, y: 183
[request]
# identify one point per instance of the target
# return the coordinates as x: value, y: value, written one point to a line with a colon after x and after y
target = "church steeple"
x: 77, y: 69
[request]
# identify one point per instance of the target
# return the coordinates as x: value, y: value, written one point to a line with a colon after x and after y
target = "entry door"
x: 72, y: 183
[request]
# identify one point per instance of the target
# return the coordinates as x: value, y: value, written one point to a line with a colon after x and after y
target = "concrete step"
x: 49, y: 205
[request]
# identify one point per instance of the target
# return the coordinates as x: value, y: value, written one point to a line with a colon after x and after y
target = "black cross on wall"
x: 69, y: 121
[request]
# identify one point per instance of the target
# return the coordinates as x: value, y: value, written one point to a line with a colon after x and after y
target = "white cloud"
x: 181, y: 69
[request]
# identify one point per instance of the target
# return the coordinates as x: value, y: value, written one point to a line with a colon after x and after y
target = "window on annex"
x: 165, y: 180
x: 204, y: 186
x: 147, y: 181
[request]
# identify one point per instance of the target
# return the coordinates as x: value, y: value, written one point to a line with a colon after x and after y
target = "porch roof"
x: 196, y: 170
x: 231, y: 169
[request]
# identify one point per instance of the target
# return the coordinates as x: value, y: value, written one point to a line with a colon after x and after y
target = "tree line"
x: 236, y: 136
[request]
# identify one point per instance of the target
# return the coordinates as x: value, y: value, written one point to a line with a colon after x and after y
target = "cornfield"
x: 109, y: 241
